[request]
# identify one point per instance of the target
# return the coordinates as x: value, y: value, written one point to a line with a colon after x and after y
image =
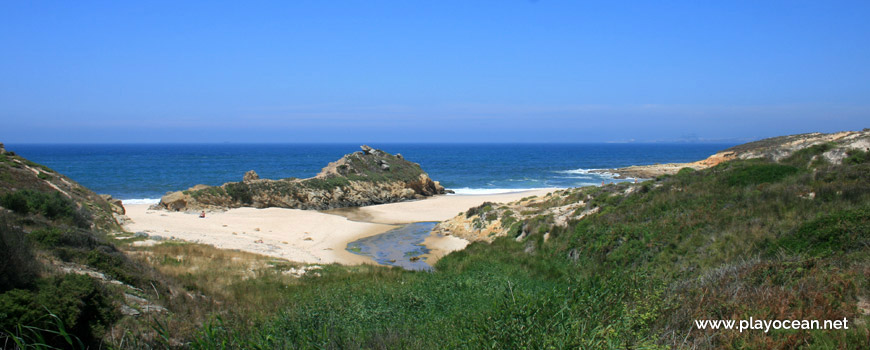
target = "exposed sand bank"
x: 437, y: 208
x: 440, y: 245
x: 296, y: 235
x: 309, y: 236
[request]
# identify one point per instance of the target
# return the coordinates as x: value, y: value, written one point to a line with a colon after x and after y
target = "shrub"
x: 839, y: 231
x: 215, y: 191
x: 804, y: 156
x: 18, y: 267
x: 54, y: 237
x: 74, y: 303
x: 754, y: 174
x: 51, y: 205
x: 15, y: 201
x: 685, y: 171
x: 113, y: 263
x: 327, y: 183
x: 240, y: 192
x: 483, y: 208
x: 856, y: 157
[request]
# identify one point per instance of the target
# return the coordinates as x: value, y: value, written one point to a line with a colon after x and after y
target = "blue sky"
x: 430, y: 71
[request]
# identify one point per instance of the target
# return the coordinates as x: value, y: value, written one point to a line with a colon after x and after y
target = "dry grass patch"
x: 215, y: 272
x: 204, y: 283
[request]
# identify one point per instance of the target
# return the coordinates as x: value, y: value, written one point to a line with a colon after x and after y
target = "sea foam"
x: 595, y: 172
x: 473, y: 191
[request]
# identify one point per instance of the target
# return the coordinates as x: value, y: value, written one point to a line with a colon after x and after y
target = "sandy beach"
x: 309, y: 236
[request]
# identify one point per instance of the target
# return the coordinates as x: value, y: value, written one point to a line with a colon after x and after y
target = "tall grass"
x: 743, y: 239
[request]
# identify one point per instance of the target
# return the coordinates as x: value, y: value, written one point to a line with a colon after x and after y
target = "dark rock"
x: 399, y: 155
x: 250, y: 176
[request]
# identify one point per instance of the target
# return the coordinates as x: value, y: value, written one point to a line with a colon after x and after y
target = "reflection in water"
x: 401, y: 246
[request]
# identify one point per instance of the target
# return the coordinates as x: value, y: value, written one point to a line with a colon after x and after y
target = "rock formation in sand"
x: 368, y: 177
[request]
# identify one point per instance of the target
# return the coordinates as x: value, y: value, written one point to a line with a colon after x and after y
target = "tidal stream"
x: 401, y: 246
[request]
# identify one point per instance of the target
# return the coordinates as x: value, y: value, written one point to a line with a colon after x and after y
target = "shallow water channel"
x: 401, y: 246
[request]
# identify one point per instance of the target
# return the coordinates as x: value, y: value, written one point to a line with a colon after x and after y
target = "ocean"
x: 142, y: 173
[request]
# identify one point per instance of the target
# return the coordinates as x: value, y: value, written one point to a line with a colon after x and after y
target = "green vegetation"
x: 743, y: 239
x: 857, y: 157
x: 327, y: 183
x: 484, y: 298
x: 239, y: 192
x: 51, y: 205
x: 841, y: 231
x: 357, y: 168
x: 747, y: 238
x: 752, y: 174
x: 60, y: 274
x: 367, y: 168
x: 479, y: 210
x: 77, y: 302
x: 213, y: 191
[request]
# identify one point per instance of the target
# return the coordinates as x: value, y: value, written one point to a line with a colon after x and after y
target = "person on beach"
x: 202, y: 215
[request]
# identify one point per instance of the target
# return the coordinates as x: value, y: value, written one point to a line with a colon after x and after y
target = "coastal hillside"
x: 71, y: 278
x: 367, y: 177
x: 519, y: 219
x: 21, y: 179
x: 625, y: 266
x: 835, y: 145
x: 63, y: 281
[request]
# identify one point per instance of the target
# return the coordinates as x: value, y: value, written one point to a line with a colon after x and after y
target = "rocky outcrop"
x: 530, y: 215
x: 250, y: 176
x: 368, y: 177
x: 774, y: 149
x: 115, y: 205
